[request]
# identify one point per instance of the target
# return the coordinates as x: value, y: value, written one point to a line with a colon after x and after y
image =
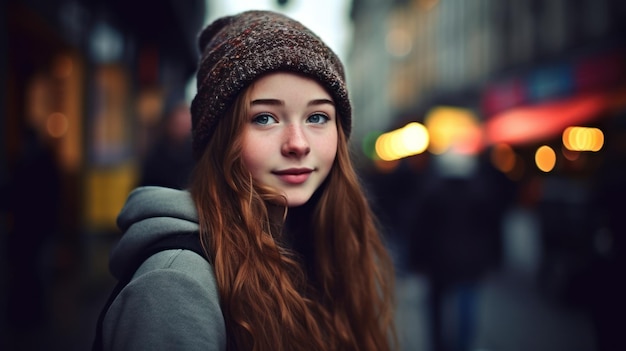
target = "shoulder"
x: 171, y: 302
x: 179, y: 261
x: 150, y: 215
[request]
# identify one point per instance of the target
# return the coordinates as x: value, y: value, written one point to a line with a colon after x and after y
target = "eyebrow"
x: 320, y: 102
x: 278, y: 102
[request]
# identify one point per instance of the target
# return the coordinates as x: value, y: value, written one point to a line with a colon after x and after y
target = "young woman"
x: 294, y: 260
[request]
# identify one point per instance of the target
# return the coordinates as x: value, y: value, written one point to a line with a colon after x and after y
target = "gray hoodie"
x: 172, y: 301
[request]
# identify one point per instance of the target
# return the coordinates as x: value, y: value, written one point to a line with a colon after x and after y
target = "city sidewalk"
x: 511, y: 316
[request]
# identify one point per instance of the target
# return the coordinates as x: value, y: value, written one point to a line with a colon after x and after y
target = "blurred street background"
x: 490, y: 135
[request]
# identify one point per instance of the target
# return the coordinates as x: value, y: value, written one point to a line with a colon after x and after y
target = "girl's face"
x: 290, y: 135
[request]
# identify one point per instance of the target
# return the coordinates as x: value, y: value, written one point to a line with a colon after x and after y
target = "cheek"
x: 252, y: 155
x: 328, y: 151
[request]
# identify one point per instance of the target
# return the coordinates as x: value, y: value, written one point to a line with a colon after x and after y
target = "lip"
x: 294, y: 175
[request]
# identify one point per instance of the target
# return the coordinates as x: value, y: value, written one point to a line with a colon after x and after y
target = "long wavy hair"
x: 268, y: 300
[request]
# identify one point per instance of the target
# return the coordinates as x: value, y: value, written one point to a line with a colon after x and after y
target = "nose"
x: 295, y: 143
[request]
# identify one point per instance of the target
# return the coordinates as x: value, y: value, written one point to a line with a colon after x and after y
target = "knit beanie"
x: 236, y: 50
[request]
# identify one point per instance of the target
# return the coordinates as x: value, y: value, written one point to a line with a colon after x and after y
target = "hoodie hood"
x: 150, y: 214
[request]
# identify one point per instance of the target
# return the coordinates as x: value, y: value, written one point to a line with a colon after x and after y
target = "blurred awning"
x: 533, y: 123
x: 540, y: 103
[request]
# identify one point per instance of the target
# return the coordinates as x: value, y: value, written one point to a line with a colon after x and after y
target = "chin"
x: 297, y: 200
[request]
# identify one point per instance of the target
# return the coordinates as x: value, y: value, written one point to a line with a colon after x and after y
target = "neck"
x: 298, y: 234
x: 299, y: 219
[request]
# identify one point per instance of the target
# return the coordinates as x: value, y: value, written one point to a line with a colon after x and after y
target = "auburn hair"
x: 267, y: 300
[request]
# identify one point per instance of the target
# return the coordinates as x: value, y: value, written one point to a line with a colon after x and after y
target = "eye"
x: 318, y: 118
x: 264, y: 119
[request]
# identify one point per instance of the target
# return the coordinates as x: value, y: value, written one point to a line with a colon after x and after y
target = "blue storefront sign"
x: 550, y: 82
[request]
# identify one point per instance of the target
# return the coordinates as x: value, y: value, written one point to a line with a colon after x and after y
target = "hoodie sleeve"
x: 172, y: 303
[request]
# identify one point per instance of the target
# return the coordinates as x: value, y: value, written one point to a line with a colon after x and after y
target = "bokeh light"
x: 503, y: 157
x: 57, y: 125
x: 545, y: 158
x: 453, y: 128
x: 409, y: 140
x: 583, y: 139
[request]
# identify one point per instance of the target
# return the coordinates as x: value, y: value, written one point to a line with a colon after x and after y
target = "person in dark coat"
x: 169, y: 161
x: 455, y: 242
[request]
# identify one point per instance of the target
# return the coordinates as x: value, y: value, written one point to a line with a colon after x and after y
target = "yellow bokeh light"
x: 598, y: 140
x: 382, y: 147
x: 414, y: 138
x: 453, y: 128
x: 545, y: 158
x: 409, y: 140
x: 583, y: 139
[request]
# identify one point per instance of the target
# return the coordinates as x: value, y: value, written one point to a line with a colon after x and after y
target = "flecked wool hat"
x: 238, y: 49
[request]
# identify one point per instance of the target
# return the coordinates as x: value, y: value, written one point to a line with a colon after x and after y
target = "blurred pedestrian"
x: 169, y: 161
x: 34, y: 198
x: 604, y: 288
x: 455, y: 243
x: 295, y: 261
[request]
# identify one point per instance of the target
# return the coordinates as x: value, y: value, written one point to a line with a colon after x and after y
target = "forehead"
x: 287, y: 84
